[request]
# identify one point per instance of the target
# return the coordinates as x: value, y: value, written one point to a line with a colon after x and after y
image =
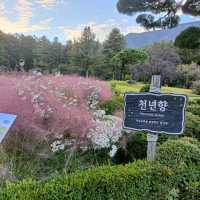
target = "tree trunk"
x: 122, y: 72
x: 87, y: 73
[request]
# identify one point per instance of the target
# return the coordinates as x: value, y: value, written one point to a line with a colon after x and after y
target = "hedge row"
x: 134, y: 181
x: 140, y: 180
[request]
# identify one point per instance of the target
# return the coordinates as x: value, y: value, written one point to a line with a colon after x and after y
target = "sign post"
x: 152, y: 138
x: 154, y: 113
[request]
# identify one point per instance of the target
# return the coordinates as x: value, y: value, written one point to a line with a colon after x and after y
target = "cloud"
x: 48, y: 3
x: 2, y: 8
x: 24, y: 10
x: 100, y: 29
x: 134, y: 29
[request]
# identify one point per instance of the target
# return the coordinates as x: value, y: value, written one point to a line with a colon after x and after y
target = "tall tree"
x: 166, y: 10
x: 88, y: 49
x: 128, y: 57
x: 84, y: 51
x: 112, y: 45
x: 188, y: 43
x: 56, y: 54
x: 189, y: 38
x: 42, y: 54
x: 163, y: 60
x: 12, y: 46
x: 26, y: 46
x: 3, y: 56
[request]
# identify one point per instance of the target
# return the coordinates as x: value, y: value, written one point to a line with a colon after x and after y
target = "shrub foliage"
x: 51, y: 104
x: 164, y: 179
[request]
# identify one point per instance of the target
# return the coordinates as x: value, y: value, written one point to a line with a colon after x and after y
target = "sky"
x: 66, y: 19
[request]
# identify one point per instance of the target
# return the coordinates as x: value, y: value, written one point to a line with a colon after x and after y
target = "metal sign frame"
x: 156, y: 94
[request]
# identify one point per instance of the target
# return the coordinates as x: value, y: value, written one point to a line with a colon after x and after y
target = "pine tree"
x: 4, y: 62
x: 114, y: 44
x: 166, y: 11
x: 84, y: 51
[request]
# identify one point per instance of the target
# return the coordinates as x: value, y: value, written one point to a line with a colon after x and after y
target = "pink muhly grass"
x: 50, y: 104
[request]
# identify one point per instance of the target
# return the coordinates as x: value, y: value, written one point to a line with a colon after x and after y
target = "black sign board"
x: 156, y: 113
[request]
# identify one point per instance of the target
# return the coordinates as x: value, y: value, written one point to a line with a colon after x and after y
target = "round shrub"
x: 194, y: 107
x: 191, y: 140
x: 116, y: 103
x: 179, y: 152
x: 145, y: 88
x: 196, y: 87
x: 135, y: 149
x: 192, y: 128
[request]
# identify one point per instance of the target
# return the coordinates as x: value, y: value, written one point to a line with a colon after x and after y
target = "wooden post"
x: 152, y: 138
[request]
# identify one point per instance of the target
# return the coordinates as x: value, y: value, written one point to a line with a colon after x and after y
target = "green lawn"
x: 121, y: 87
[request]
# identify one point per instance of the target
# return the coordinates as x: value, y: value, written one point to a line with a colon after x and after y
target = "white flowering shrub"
x: 107, y: 130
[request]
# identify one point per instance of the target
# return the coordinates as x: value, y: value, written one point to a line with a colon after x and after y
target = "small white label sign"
x: 6, y: 121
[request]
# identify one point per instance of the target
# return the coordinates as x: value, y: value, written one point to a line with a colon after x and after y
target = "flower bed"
x: 52, y: 104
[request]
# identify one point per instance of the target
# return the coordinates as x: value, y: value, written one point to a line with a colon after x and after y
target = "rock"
x: 5, y: 173
x: 131, y: 81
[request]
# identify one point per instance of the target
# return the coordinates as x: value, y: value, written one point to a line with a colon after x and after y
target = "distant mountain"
x: 138, y: 40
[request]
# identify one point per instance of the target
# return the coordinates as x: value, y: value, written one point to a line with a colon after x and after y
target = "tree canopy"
x: 128, y: 57
x: 163, y: 60
x: 114, y: 43
x: 84, y: 51
x: 189, y: 38
x: 188, y: 43
x: 166, y: 10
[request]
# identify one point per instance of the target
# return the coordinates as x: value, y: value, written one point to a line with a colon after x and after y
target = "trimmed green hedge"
x: 140, y: 180
x: 183, y: 156
x: 194, y: 107
x: 175, y: 153
x: 192, y: 128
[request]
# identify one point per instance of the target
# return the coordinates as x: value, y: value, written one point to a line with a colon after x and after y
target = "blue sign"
x: 6, y: 121
x: 156, y: 113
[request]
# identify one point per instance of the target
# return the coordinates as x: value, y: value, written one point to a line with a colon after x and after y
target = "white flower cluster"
x: 61, y: 144
x: 113, y: 151
x: 93, y: 98
x: 107, y: 131
x: 57, y: 146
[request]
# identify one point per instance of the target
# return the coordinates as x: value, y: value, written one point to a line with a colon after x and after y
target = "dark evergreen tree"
x: 112, y: 45
x: 42, y: 54
x: 3, y: 56
x: 166, y: 10
x: 188, y: 43
x: 189, y: 39
x: 83, y: 53
x: 26, y: 46
x: 128, y: 57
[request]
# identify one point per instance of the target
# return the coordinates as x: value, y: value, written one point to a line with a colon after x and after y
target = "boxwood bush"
x: 145, y: 88
x: 140, y: 180
x: 115, y: 104
x: 183, y: 156
x: 184, y: 151
x: 135, y: 149
x: 192, y: 128
x: 194, y: 107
